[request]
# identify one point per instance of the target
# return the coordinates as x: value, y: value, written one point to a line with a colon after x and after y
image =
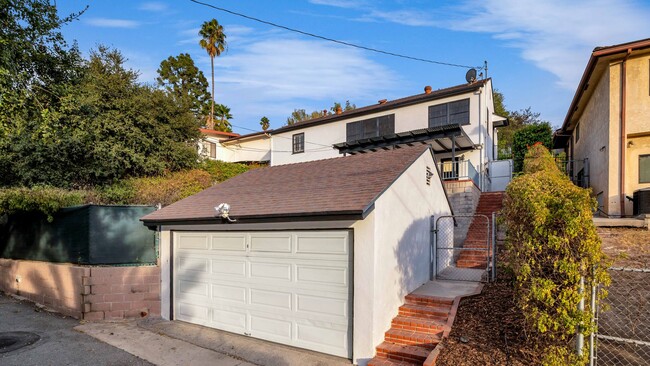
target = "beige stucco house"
x: 608, y: 123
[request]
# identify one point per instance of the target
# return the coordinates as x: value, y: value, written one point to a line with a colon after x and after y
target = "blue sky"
x: 536, y: 50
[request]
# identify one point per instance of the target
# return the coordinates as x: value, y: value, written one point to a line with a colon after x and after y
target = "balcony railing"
x: 459, y: 170
x: 576, y: 170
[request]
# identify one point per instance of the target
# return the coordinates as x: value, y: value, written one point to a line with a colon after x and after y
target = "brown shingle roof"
x: 338, y: 186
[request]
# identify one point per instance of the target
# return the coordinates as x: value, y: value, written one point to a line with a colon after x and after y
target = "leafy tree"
x: 265, y: 123
x: 297, y: 115
x: 348, y: 106
x: 499, y: 106
x: 213, y: 40
x: 36, y: 67
x: 187, y: 85
x: 223, y: 113
x: 527, y: 136
x: 517, y: 120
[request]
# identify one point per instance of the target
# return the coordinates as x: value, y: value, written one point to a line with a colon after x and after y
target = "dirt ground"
x: 627, y: 247
x: 487, y: 331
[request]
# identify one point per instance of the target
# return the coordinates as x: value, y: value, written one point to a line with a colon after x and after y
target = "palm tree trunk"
x: 212, y: 111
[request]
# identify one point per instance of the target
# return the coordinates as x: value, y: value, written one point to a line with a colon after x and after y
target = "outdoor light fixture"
x: 223, y: 211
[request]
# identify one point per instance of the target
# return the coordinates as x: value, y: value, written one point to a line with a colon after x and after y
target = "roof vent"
x: 383, y: 101
x: 427, y: 89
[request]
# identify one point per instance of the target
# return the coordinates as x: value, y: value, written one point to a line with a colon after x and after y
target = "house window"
x: 449, y: 113
x: 213, y: 150
x: 298, y: 143
x: 373, y: 127
x: 644, y: 168
x: 577, y: 132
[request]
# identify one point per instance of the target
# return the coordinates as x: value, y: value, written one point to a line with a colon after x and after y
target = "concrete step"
x: 401, y: 352
x: 420, y: 311
x: 417, y: 324
x: 428, y: 300
x: 410, y: 338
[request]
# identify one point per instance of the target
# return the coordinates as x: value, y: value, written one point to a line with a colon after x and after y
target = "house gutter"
x: 623, y: 137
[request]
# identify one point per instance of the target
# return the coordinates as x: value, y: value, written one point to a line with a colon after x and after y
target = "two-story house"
x: 606, y: 132
x: 235, y: 148
x: 458, y: 122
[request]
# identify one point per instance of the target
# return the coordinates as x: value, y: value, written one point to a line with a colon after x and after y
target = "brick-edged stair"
x: 415, y: 331
x: 477, y: 233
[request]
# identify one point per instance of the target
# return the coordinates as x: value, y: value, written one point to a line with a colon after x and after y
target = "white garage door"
x: 287, y: 287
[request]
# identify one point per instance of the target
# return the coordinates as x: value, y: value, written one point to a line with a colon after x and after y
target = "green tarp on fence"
x: 89, y: 234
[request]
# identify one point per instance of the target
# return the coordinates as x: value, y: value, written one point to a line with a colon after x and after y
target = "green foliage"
x: 47, y: 200
x: 153, y: 190
x: 265, y: 123
x: 213, y: 41
x: 104, y: 128
x: 186, y: 84
x: 222, y: 112
x: 552, y: 242
x: 526, y: 137
x: 221, y: 170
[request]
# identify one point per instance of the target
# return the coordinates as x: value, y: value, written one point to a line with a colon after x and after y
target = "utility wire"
x: 335, y: 40
x: 284, y: 137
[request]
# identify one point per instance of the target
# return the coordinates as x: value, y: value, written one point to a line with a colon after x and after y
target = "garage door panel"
x: 336, y: 276
x: 271, y: 328
x: 235, y: 294
x: 270, y: 242
x: 287, y: 287
x: 193, y: 241
x: 322, y: 305
x: 232, y: 321
x: 228, y: 242
x: 231, y: 267
x: 321, y: 245
x: 191, y: 264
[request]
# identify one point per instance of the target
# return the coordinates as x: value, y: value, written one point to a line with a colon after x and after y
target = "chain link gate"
x: 623, y: 319
x: 463, y: 248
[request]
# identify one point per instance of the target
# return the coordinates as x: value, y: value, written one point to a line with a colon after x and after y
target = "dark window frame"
x: 370, y: 127
x: 577, y: 132
x: 455, y: 112
x: 298, y: 147
x: 644, y: 156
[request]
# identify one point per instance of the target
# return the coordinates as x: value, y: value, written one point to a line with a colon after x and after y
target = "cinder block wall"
x: 84, y: 292
x: 463, y: 196
x: 121, y: 292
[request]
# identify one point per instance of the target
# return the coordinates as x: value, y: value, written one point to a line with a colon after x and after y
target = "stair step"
x: 431, y: 312
x: 411, y: 338
x: 417, y: 324
x: 379, y: 361
x: 428, y: 300
x: 471, y: 264
x: 401, y: 352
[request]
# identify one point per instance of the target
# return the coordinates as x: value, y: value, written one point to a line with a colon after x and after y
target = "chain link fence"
x: 623, y: 336
x: 463, y: 248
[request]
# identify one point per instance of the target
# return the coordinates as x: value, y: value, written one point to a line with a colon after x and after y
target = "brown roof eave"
x: 591, y: 65
x: 354, y: 215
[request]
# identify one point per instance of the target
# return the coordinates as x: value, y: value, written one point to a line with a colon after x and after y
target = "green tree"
x: 348, y: 106
x: 187, y: 85
x: 213, y: 40
x: 223, y: 113
x: 527, y: 136
x: 265, y: 123
x: 297, y: 115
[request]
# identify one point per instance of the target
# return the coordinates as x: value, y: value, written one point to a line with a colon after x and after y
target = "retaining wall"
x: 85, y: 292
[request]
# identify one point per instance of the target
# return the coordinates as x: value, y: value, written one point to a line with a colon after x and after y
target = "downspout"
x: 480, y: 127
x: 623, y: 138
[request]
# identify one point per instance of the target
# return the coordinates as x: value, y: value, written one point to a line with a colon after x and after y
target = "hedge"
x: 551, y: 243
x: 47, y: 200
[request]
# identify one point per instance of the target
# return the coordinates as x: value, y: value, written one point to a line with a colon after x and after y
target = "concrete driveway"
x: 59, y: 343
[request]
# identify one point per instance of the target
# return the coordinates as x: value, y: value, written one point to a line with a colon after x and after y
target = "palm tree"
x: 265, y: 123
x: 214, y: 42
x: 223, y: 112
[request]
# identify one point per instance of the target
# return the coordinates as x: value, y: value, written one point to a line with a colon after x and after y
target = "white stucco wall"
x: 248, y: 149
x: 401, y: 259
x: 319, y: 139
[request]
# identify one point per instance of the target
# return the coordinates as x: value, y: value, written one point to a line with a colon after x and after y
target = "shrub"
x: 528, y: 136
x: 552, y: 242
x: 47, y: 200
x: 221, y: 170
x: 153, y: 190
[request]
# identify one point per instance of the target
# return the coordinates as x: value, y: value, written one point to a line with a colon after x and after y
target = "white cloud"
x: 270, y: 76
x: 112, y: 23
x: 414, y: 18
x: 153, y: 6
x: 346, y: 4
x: 555, y: 35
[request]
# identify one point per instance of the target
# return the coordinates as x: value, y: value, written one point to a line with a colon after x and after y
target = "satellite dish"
x: 471, y: 75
